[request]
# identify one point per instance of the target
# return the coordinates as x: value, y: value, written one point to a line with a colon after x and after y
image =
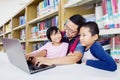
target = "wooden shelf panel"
x: 51, y: 14
x: 19, y: 27
x: 37, y: 40
x: 110, y: 31
x: 8, y: 32
x: 75, y: 3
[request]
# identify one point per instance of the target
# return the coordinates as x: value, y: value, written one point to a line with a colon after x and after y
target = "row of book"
x: 108, y: 14
x: 39, y: 31
x: 115, y: 48
x: 8, y: 27
x: 22, y: 20
x: 1, y: 31
x: 46, y: 6
x: 8, y: 35
x: 112, y: 46
x: 22, y: 34
x: 23, y: 46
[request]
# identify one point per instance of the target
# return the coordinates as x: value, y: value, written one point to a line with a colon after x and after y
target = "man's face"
x: 71, y: 29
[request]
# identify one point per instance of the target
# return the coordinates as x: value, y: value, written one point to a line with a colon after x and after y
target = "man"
x: 75, y: 50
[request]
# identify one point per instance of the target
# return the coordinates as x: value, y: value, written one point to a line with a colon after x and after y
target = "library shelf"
x: 110, y: 31
x: 8, y: 32
x: 46, y: 16
x: 74, y: 3
x: 38, y: 40
x: 19, y: 27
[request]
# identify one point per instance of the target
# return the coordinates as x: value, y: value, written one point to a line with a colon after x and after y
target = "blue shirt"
x: 105, y: 61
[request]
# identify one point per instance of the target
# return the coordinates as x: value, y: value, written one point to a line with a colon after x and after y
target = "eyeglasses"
x: 69, y: 29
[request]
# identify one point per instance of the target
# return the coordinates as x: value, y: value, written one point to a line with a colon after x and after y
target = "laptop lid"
x: 15, y: 53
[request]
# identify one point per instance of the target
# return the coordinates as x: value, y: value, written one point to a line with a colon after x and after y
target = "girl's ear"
x: 95, y: 37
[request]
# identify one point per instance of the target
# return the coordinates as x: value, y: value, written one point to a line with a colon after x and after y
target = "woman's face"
x: 71, y: 29
x: 56, y: 37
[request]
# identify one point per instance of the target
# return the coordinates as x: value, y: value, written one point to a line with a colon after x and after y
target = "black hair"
x: 78, y: 20
x: 51, y: 30
x: 93, y: 27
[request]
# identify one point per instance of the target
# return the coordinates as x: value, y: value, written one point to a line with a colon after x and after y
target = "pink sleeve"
x: 65, y: 49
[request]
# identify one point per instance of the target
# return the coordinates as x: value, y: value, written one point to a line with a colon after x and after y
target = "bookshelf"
x: 38, y: 20
x: 8, y: 29
x: 24, y: 24
x: 19, y: 25
x: 73, y: 3
x: 110, y: 31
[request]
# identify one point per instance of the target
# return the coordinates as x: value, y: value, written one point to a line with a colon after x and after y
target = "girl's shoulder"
x: 48, y: 43
x: 64, y: 43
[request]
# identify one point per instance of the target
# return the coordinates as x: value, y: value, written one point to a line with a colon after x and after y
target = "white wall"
x: 9, y: 8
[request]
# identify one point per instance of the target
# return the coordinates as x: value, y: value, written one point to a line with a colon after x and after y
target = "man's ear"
x: 95, y: 37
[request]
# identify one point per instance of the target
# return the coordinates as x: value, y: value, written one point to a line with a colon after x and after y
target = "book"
x: 115, y: 48
x: 115, y: 42
x: 99, y: 17
x: 115, y: 13
x: 118, y: 3
x: 107, y: 14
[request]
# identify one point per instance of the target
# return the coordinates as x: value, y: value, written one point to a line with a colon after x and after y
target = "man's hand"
x: 71, y: 54
x: 42, y: 60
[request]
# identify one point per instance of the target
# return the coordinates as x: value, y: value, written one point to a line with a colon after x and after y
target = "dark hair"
x: 51, y: 30
x: 93, y: 27
x: 78, y: 20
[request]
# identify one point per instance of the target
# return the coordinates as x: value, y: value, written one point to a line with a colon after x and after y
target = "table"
x: 64, y: 72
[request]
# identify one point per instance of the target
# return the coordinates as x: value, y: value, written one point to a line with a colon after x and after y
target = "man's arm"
x: 69, y: 59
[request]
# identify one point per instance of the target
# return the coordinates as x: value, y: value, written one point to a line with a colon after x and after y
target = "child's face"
x: 86, y: 37
x: 56, y: 37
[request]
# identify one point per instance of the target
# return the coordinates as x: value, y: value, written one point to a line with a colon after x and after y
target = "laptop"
x: 16, y: 56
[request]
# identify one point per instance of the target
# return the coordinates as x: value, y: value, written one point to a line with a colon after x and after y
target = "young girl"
x: 94, y: 54
x: 53, y: 49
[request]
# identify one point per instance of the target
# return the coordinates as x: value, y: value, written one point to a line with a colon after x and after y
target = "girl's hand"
x: 29, y: 56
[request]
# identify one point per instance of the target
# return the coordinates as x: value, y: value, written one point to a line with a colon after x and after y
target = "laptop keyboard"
x: 36, y: 68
